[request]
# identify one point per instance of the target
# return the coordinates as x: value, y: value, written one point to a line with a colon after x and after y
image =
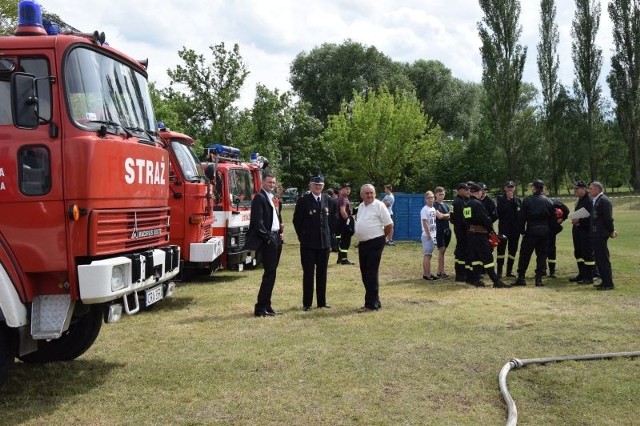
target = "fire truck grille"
x: 114, y: 231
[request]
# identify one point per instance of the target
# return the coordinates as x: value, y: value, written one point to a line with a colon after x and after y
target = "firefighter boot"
x: 580, y: 275
x: 587, y: 276
x: 539, y: 282
x: 520, y: 281
x: 500, y: 264
x: 460, y: 272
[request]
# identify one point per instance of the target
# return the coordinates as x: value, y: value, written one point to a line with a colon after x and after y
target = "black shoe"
x: 501, y: 284
x: 601, y: 287
x: 479, y: 284
x: 346, y: 262
x: 552, y: 275
x: 306, y: 308
x: 519, y: 282
x: 366, y: 309
x: 443, y: 276
x: 576, y: 279
x: 263, y: 313
x: 270, y: 310
x: 539, y: 284
x: 585, y: 281
x: 325, y: 306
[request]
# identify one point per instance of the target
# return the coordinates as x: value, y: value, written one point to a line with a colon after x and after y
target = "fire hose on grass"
x: 512, y: 411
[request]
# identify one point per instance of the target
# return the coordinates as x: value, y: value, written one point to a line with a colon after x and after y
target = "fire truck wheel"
x: 7, y: 352
x: 73, y: 342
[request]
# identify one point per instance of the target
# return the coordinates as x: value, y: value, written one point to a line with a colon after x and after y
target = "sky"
x: 271, y: 33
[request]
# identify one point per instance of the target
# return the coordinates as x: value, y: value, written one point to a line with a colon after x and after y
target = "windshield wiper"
x: 111, y: 123
x: 141, y: 130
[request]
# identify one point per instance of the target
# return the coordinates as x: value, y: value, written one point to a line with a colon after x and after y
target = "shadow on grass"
x: 37, y: 390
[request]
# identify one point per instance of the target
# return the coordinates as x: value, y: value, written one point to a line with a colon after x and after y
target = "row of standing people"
x: 538, y: 219
x: 313, y: 213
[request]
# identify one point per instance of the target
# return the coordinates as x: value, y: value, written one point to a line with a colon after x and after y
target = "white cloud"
x: 272, y: 33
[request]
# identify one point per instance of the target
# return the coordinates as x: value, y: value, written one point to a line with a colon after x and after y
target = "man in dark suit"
x: 265, y: 236
x: 601, y: 229
x: 311, y: 222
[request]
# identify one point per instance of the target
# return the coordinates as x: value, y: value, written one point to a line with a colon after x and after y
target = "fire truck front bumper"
x: 114, y: 278
x: 208, y: 251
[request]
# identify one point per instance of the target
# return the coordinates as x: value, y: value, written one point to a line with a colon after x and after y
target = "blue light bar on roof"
x: 224, y: 150
x: 29, y: 19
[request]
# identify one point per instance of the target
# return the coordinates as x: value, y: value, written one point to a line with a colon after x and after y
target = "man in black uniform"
x: 311, y: 222
x: 460, y: 231
x: 601, y: 230
x: 488, y: 203
x: 479, y: 250
x: 535, y: 225
x: 582, y: 247
x: 508, y: 210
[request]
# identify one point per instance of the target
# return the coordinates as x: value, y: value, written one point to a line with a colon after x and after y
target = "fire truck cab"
x: 84, y: 221
x: 236, y: 182
x: 191, y: 201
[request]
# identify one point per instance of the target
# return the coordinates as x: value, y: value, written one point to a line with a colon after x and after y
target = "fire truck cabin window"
x: 34, y: 170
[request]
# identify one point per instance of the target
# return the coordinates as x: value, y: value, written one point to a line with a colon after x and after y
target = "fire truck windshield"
x: 103, y: 91
x: 241, y: 187
x: 187, y: 161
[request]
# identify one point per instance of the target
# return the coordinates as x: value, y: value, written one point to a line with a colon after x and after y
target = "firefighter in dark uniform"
x: 535, y: 224
x: 460, y: 230
x: 311, y: 222
x: 488, y: 203
x: 582, y: 247
x: 561, y: 212
x: 479, y: 250
x: 508, y: 209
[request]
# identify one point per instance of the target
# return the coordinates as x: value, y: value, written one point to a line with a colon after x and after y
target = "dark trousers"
x: 369, y: 256
x: 551, y: 252
x: 344, y: 242
x: 314, y: 262
x: 603, y: 262
x: 481, y: 257
x: 511, y: 247
x: 530, y: 243
x: 583, y: 252
x: 461, y: 254
x: 270, y: 259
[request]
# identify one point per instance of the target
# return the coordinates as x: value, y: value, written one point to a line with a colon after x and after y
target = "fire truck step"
x: 50, y: 316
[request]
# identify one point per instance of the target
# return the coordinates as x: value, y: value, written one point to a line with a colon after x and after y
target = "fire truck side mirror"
x: 24, y: 101
x: 210, y: 171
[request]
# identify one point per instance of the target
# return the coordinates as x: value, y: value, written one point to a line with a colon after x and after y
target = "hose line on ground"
x: 512, y: 411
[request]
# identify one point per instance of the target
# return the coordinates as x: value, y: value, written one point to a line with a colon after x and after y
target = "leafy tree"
x: 548, y: 62
x: 587, y: 63
x: 329, y: 74
x: 451, y: 103
x: 624, y: 77
x: 8, y: 16
x: 381, y: 138
x: 502, y: 67
x: 208, y: 92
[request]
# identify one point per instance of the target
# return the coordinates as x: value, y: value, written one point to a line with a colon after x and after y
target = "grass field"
x: 431, y: 356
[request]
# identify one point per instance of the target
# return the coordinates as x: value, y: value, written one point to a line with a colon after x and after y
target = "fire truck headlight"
x: 118, y: 280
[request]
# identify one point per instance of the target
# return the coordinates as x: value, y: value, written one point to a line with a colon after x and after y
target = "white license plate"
x: 153, y: 295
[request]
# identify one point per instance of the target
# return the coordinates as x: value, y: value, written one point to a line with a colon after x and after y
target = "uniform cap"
x: 317, y: 179
x: 462, y: 185
x: 345, y: 185
x: 474, y: 187
x: 580, y: 184
x: 538, y: 184
x: 482, y: 185
x: 510, y: 184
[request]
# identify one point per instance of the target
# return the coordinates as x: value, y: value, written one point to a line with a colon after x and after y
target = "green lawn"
x: 432, y: 355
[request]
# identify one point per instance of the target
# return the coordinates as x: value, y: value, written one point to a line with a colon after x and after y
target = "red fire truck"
x: 235, y: 184
x: 191, y: 202
x: 84, y: 221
